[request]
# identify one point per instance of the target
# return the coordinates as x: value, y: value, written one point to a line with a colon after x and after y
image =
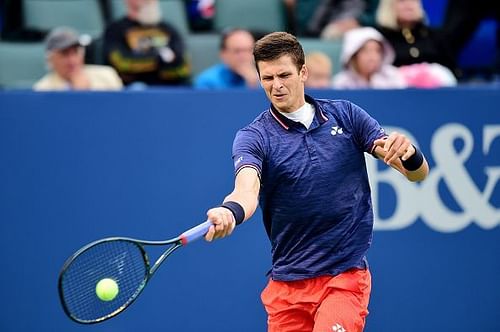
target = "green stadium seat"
x: 83, y: 15
x: 255, y: 15
x: 118, y: 9
x: 330, y: 48
x: 203, y: 50
x: 174, y: 12
x: 21, y: 64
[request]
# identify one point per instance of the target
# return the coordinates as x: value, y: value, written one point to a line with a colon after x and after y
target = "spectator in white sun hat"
x: 367, y: 59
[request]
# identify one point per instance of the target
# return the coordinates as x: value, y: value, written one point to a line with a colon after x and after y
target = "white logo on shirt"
x: 239, y: 160
x: 336, y: 130
x: 338, y: 328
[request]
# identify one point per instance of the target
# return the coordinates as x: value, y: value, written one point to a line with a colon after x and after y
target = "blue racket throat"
x: 125, y: 261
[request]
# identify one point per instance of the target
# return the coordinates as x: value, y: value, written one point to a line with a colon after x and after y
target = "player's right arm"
x: 245, y: 193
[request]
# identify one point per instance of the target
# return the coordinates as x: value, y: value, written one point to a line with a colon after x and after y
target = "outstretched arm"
x: 245, y: 194
x: 397, y: 151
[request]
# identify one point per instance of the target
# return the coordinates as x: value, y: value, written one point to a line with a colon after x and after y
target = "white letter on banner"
x: 406, y: 211
x: 450, y: 168
x: 489, y: 134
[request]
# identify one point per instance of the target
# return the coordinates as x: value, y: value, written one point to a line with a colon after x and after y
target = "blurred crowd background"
x: 207, y: 44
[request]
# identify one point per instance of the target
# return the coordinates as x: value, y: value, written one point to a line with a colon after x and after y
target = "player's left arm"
x: 397, y: 151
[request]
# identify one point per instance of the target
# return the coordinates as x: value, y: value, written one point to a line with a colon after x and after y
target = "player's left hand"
x: 395, y: 146
x: 223, y: 223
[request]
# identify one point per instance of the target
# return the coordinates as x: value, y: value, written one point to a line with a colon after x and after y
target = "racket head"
x: 120, y: 259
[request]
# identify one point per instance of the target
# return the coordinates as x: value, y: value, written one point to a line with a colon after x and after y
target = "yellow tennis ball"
x: 106, y: 289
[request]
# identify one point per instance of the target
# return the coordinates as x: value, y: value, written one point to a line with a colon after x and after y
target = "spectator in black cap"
x: 65, y: 51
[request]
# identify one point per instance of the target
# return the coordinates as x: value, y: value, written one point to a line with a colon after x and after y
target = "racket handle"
x: 196, y: 232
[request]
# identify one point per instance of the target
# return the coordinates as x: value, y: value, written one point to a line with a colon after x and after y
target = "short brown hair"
x: 277, y: 44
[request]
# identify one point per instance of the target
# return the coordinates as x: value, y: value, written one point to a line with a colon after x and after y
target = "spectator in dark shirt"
x: 143, y: 48
x: 403, y: 25
x: 420, y: 51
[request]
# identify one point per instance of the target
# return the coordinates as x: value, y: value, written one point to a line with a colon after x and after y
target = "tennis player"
x: 303, y: 161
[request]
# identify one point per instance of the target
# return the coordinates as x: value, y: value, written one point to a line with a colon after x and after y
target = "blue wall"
x: 75, y: 167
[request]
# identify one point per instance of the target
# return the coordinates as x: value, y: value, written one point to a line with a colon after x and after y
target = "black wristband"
x: 236, y: 209
x: 415, y: 161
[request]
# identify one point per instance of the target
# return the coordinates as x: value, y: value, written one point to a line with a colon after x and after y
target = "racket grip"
x: 195, y: 233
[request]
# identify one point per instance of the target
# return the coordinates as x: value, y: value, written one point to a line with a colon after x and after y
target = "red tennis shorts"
x: 322, y: 304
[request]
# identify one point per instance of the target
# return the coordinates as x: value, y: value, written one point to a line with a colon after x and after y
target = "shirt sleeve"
x: 248, y: 150
x: 366, y: 128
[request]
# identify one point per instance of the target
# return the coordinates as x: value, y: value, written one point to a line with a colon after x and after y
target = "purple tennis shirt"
x: 314, y: 195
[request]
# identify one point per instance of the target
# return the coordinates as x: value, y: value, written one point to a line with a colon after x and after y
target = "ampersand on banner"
x: 424, y: 199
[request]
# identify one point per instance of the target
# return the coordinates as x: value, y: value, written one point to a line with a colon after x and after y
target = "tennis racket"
x: 125, y: 261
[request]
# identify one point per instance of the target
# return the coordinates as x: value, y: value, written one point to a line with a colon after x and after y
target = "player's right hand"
x: 223, y: 223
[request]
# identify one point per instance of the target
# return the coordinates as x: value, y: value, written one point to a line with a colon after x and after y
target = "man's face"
x: 238, y: 51
x: 283, y: 83
x: 68, y: 61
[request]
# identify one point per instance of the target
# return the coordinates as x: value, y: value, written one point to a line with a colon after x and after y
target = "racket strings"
x: 122, y: 261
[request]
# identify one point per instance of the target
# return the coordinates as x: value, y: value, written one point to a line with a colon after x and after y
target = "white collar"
x: 304, y: 115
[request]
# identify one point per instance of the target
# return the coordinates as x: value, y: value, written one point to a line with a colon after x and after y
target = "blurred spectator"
x: 463, y: 18
x: 402, y: 22
x: 236, y: 69
x: 428, y: 75
x: 65, y: 57
x: 13, y: 27
x: 200, y: 14
x: 367, y: 60
x: 143, y: 49
x: 332, y: 18
x: 319, y: 70
x: 419, y: 48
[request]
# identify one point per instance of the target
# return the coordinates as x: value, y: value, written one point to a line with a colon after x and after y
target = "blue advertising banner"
x: 76, y: 167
